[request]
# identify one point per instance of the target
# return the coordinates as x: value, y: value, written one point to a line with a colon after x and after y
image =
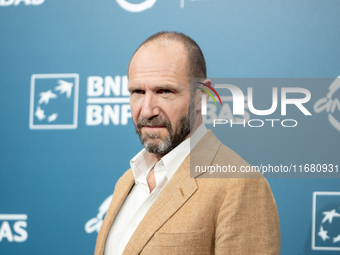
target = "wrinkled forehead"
x: 158, y: 56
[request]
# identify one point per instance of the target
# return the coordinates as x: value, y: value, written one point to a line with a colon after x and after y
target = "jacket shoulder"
x: 228, y: 164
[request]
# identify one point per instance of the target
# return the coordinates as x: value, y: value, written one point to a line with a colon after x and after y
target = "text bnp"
x: 108, y: 101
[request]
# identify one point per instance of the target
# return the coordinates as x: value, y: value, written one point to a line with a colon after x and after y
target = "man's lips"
x: 150, y: 128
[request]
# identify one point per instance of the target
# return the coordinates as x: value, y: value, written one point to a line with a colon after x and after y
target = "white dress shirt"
x: 139, y: 200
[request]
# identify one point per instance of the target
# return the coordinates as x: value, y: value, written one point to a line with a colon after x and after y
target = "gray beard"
x: 168, y: 143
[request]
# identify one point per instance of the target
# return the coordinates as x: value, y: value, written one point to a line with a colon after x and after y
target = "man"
x: 156, y: 207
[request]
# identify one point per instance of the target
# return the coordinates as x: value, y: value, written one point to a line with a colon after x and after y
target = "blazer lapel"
x: 122, y: 189
x: 204, y: 153
x: 179, y: 189
x: 173, y: 196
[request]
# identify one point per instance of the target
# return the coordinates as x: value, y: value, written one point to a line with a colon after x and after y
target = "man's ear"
x: 207, y: 82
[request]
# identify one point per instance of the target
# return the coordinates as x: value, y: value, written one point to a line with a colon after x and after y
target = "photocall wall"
x: 66, y: 128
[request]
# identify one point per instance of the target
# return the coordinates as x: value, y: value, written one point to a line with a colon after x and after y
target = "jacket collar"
x: 178, y: 190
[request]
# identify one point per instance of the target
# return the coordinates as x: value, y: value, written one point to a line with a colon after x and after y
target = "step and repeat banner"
x: 66, y: 128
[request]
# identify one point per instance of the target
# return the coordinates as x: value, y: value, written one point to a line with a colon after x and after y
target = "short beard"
x: 168, y: 143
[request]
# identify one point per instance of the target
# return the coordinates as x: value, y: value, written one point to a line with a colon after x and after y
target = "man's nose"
x: 150, y: 107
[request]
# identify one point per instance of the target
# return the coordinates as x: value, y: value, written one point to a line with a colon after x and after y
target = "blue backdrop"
x: 66, y: 132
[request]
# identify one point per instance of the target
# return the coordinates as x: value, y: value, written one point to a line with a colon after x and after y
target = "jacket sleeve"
x: 248, y: 221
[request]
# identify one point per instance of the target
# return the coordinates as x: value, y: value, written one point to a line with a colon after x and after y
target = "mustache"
x: 153, y: 122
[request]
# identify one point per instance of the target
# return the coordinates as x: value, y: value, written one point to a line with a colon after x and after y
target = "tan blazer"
x: 202, y: 215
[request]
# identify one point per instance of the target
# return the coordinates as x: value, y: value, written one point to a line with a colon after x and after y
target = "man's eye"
x: 165, y: 91
x: 138, y: 91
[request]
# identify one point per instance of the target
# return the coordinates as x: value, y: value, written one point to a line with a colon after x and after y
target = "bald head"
x: 195, y: 62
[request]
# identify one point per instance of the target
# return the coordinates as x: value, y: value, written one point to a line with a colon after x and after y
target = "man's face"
x: 160, y: 96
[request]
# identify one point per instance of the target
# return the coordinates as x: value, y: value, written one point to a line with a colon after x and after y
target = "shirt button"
x: 133, y: 224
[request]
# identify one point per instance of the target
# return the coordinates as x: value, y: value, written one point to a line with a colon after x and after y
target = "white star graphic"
x: 40, y: 113
x: 65, y: 87
x: 336, y: 239
x: 329, y: 216
x: 46, y: 96
x: 52, y: 117
x: 323, y: 234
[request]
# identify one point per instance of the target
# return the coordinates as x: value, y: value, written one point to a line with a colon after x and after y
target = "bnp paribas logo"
x: 54, y: 101
x: 326, y: 221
